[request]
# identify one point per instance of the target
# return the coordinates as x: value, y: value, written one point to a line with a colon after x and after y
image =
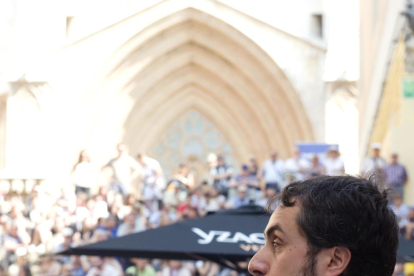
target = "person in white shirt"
x: 102, y: 268
x: 83, y: 174
x: 297, y: 166
x: 125, y: 169
x: 153, y: 180
x: 175, y: 268
x: 221, y: 175
x: 374, y: 163
x: 272, y: 171
x: 333, y: 163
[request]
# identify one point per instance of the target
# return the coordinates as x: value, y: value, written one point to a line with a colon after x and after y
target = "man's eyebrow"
x: 272, y: 229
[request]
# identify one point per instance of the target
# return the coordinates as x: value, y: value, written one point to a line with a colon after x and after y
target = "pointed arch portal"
x: 191, y: 62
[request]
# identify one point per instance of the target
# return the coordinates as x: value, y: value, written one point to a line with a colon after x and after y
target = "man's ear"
x: 335, y: 260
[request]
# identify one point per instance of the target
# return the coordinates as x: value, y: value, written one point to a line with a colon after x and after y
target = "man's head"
x: 67, y: 269
x: 96, y: 261
x: 244, y: 170
x: 332, y: 152
x: 273, y: 155
x: 139, y: 263
x: 121, y: 149
x: 394, y: 158
x: 329, y: 226
x: 376, y: 149
x: 68, y: 236
x: 397, y: 200
x: 242, y: 191
x: 220, y: 160
x: 270, y: 192
x: 142, y: 159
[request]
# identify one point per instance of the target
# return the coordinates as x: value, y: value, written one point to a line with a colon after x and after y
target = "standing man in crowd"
x: 395, y: 175
x: 221, y: 175
x: 125, y: 169
x: 152, y: 178
x: 321, y: 228
x: 245, y: 179
x: 333, y: 163
x: 273, y: 171
x: 374, y: 163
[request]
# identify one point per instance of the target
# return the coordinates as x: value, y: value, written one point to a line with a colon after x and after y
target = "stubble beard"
x: 309, y: 268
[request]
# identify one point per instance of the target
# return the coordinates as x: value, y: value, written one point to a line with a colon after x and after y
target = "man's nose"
x: 257, y: 265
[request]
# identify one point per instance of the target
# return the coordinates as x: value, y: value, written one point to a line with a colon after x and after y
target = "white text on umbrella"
x: 226, y: 236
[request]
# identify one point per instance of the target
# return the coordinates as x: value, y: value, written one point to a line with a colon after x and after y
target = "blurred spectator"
x: 190, y: 213
x: 270, y: 192
x: 25, y: 271
x: 198, y: 199
x: 15, y: 237
x: 102, y: 268
x: 183, y: 178
x: 66, y: 244
x: 67, y: 270
x: 316, y: 168
x: 182, y: 206
x: 49, y: 267
x: 162, y: 217
x: 111, y: 225
x: 175, y: 268
x: 254, y: 169
x: 242, y: 199
x: 140, y: 218
x: 273, y: 172
x: 408, y: 224
x: 400, y: 209
x: 215, y: 201
x: 374, y: 163
x: 83, y: 175
x: 245, y: 179
x: 221, y: 176
x: 21, y: 262
x: 79, y: 265
x: 152, y: 178
x: 100, y: 209
x: 205, y: 268
x: 67, y: 199
x: 141, y: 268
x: 128, y: 226
x: 333, y: 163
x: 399, y: 270
x: 395, y: 175
x: 296, y: 166
x: 125, y: 169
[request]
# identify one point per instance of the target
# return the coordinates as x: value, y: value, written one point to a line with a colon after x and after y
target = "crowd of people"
x: 41, y: 224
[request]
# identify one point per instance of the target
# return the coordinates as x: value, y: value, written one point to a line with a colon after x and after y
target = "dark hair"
x: 348, y: 212
x: 27, y: 271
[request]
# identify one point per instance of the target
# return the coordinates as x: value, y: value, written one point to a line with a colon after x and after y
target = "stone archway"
x: 192, y: 59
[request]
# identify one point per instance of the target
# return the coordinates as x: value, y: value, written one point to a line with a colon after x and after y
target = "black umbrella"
x: 405, y: 250
x: 225, y: 237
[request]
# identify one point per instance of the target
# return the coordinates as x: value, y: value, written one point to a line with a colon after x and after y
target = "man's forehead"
x: 285, y: 217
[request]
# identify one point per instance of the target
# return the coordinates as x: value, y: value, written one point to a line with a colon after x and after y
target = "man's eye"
x: 275, y: 243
